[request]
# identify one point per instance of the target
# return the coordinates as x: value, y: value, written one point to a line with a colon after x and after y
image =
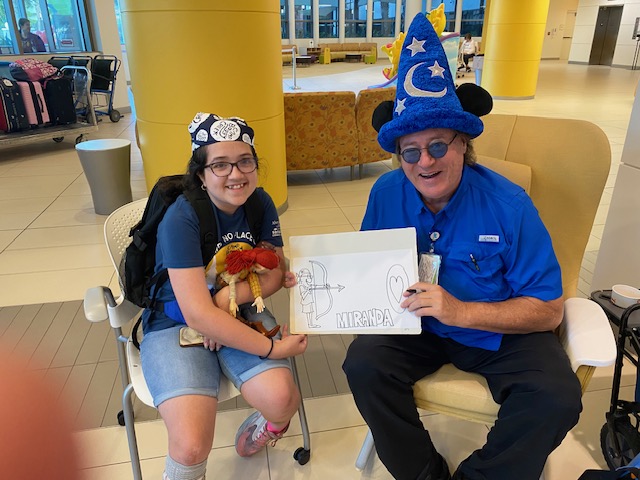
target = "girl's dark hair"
x: 197, y: 164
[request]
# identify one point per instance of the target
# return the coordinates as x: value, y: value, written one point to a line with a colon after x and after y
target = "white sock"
x: 176, y: 471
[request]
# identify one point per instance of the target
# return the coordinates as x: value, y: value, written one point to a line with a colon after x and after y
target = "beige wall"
x: 557, y: 28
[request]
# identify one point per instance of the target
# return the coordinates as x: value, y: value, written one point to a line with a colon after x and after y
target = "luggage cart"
x: 85, y: 124
x: 78, y: 76
x: 620, y: 435
x: 104, y: 70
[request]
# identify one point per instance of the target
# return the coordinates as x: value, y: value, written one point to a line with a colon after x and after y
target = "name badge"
x: 489, y: 238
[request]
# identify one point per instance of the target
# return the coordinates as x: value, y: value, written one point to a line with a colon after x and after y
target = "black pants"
x: 466, y: 57
x: 529, y: 376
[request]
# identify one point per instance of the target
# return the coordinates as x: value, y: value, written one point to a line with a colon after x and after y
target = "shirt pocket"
x: 475, y: 272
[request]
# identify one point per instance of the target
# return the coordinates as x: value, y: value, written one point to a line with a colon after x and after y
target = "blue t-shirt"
x: 178, y: 246
x: 488, y: 220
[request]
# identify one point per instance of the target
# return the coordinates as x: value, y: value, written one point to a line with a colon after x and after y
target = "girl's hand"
x: 288, y: 345
x: 212, y: 344
x: 289, y: 280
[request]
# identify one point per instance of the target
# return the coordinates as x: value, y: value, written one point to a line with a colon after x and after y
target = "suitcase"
x: 33, y: 95
x: 13, y: 117
x: 58, y: 96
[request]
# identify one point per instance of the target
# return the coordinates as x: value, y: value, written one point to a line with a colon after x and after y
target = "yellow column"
x: 223, y: 57
x: 513, y: 46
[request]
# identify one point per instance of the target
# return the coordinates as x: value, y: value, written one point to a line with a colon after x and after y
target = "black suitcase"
x: 58, y: 95
x: 13, y: 116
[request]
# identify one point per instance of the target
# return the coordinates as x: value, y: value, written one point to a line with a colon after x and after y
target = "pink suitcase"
x: 33, y: 96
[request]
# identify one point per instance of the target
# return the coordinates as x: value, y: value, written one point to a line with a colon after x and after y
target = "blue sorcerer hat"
x: 425, y: 96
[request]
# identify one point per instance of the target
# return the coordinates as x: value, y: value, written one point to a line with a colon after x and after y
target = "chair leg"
x: 365, y: 451
x: 127, y: 408
x: 304, y: 454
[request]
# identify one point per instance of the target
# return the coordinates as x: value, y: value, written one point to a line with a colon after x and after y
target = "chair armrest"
x: 95, y: 304
x: 586, y: 335
x: 100, y: 305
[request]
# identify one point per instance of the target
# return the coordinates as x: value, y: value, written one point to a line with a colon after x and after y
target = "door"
x: 605, y: 36
x: 567, y: 34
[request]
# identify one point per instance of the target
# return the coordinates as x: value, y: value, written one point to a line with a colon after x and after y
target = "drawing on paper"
x: 397, y: 283
x: 312, y: 282
x: 353, y: 282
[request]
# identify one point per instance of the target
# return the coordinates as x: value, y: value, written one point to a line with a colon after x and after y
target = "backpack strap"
x: 254, y: 210
x: 201, y: 203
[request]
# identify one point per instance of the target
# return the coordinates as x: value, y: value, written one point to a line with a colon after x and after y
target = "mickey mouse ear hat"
x: 425, y: 95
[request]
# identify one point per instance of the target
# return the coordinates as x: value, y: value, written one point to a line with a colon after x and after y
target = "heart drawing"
x: 397, y: 282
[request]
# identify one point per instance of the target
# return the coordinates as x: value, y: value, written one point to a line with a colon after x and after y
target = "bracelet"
x: 269, y: 352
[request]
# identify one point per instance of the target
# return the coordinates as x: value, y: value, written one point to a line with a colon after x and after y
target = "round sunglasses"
x: 435, y: 150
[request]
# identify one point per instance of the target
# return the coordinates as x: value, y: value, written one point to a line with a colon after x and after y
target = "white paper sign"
x: 353, y: 282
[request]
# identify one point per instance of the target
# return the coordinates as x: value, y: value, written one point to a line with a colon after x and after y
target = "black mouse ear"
x: 382, y: 114
x: 474, y: 99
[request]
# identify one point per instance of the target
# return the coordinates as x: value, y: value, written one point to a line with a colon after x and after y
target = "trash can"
x: 478, y: 64
x: 107, y: 166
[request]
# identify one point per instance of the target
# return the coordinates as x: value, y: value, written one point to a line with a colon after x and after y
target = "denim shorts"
x: 171, y: 370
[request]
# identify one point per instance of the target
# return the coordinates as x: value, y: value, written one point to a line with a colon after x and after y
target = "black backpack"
x: 140, y: 285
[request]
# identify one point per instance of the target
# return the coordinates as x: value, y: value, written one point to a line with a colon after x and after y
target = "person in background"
x: 469, y: 49
x: 495, y: 306
x: 31, y: 43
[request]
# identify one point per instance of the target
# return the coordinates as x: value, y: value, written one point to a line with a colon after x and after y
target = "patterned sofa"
x: 368, y: 147
x: 332, y: 129
x: 332, y: 52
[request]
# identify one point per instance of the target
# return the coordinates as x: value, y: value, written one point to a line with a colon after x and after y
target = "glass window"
x: 304, y: 19
x: 49, y: 26
x: 472, y: 17
x: 119, y: 21
x: 64, y: 17
x: 449, y: 11
x: 355, y: 15
x: 384, y: 18
x: 7, y: 44
x: 284, y: 19
x: 33, y: 35
x: 328, y: 18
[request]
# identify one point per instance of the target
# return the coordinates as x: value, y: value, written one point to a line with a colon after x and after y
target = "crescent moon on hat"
x: 414, y: 91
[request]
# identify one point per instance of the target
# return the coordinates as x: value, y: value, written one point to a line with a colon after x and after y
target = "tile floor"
x: 51, y: 250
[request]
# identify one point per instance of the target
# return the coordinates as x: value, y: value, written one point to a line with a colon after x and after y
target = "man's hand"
x: 434, y: 301
x: 515, y: 315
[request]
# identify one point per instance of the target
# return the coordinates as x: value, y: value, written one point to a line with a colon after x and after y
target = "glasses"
x: 224, y: 169
x: 435, y: 150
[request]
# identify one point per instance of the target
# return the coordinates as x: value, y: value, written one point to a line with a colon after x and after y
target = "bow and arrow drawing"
x: 313, y: 284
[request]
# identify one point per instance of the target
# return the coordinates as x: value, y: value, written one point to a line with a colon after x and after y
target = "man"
x: 498, y: 299
x: 31, y: 42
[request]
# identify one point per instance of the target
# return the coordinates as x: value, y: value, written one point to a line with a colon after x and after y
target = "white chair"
x: 100, y: 304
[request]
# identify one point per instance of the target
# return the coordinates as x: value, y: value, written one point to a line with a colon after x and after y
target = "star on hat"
x: 425, y: 95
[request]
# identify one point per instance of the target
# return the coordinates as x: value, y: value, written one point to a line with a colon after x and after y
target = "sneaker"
x: 253, y: 435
